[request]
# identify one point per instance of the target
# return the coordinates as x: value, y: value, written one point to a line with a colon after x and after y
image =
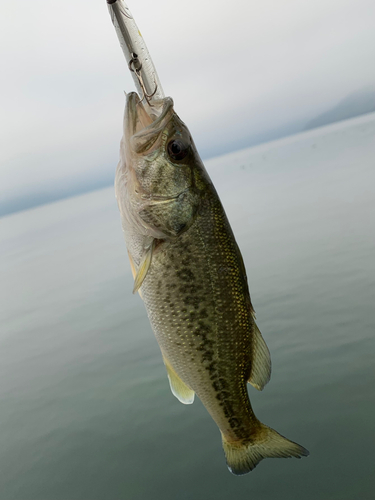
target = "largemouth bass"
x: 190, y: 273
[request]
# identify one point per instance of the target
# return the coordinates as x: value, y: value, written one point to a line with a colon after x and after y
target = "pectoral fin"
x: 134, y: 272
x: 144, y: 266
x: 179, y: 389
x: 261, y: 361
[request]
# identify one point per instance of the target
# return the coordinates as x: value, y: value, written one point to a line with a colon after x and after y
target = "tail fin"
x: 265, y: 443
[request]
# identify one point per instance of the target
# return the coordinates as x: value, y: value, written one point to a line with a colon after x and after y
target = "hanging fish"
x: 187, y: 265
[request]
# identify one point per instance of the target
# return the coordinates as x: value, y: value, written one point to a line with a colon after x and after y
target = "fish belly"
x: 199, y: 307
x: 198, y: 303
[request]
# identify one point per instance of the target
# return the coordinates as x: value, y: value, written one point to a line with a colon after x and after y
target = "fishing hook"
x: 135, y: 65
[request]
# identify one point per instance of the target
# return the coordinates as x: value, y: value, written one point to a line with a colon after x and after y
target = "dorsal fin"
x: 179, y: 389
x: 261, y: 361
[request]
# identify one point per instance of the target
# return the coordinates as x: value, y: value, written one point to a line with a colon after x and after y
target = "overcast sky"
x: 236, y: 70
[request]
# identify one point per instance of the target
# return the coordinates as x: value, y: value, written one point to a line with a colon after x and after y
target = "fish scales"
x: 198, y: 304
x: 191, y: 276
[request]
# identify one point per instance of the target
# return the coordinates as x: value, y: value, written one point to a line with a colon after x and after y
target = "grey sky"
x: 235, y: 69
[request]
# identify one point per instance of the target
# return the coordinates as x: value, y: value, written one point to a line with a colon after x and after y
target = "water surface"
x: 86, y: 411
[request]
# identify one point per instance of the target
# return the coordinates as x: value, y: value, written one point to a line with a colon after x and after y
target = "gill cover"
x: 160, y: 160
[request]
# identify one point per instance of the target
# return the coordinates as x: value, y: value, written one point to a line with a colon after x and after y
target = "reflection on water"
x: 86, y: 410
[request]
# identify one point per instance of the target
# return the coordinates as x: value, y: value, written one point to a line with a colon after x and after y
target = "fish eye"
x: 177, y: 149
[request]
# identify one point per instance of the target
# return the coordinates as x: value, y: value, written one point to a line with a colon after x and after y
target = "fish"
x: 189, y: 271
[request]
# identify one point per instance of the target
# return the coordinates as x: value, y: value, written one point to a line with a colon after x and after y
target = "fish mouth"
x: 144, y: 123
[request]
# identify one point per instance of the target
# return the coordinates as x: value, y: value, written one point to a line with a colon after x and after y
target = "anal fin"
x: 261, y: 361
x: 179, y: 389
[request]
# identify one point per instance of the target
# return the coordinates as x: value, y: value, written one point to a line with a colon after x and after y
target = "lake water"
x: 86, y: 411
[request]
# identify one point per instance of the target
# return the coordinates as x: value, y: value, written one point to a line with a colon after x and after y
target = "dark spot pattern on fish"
x: 228, y: 410
x: 211, y: 367
x: 191, y: 300
x: 203, y: 314
x: 234, y: 422
x: 185, y: 274
x: 220, y: 384
x: 188, y: 315
x: 170, y: 285
x: 207, y: 355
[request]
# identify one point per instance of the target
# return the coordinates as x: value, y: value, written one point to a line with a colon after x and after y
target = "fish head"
x: 161, y: 168
x: 158, y: 148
